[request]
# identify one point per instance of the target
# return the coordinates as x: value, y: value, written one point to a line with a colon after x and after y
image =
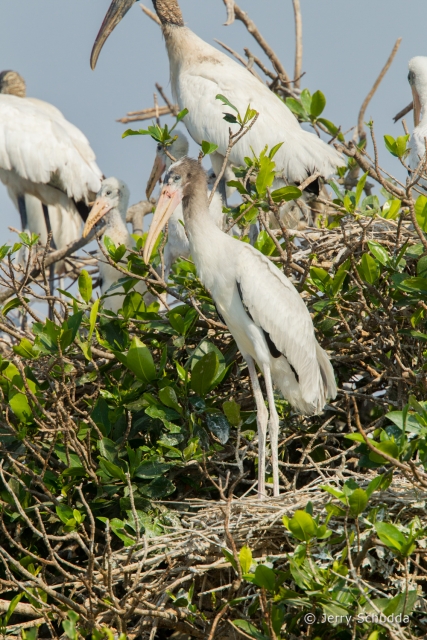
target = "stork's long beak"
x: 417, y: 106
x: 99, y: 209
x: 117, y: 10
x: 168, y: 202
x: 156, y: 173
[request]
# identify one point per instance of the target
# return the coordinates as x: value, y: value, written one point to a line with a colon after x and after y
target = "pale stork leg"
x: 273, y: 428
x: 52, y: 266
x: 262, y: 419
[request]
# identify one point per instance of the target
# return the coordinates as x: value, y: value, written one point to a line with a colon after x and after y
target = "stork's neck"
x: 169, y: 13
x: 199, y: 225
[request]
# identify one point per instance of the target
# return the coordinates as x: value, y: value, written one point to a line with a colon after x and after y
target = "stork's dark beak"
x: 118, y: 9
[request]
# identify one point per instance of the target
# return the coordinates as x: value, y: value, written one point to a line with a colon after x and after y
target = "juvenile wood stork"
x: 199, y: 72
x: 177, y: 243
x: 263, y: 311
x: 46, y: 163
x: 110, y: 207
x: 417, y: 144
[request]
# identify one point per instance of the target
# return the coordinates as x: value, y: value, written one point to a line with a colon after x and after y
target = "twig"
x: 298, y: 42
x: 403, y: 113
x: 360, y: 129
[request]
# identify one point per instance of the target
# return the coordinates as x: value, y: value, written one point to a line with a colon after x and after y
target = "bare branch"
x: 298, y: 43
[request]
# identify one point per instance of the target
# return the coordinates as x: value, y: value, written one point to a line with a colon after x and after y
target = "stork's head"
x: 178, y: 149
x: 184, y: 179
x: 111, y: 203
x: 417, y: 78
x: 167, y: 10
x: 12, y: 83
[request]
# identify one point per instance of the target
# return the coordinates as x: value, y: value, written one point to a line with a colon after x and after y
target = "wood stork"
x: 110, y: 207
x: 199, y: 72
x: 46, y: 163
x: 417, y: 144
x: 177, y: 243
x: 263, y: 311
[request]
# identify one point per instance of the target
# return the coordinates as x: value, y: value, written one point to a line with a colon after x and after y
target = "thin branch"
x: 404, y: 111
x: 360, y: 129
x: 298, y: 43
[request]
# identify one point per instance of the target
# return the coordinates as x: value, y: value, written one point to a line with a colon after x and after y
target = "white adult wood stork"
x: 263, y: 311
x: 199, y: 72
x: 177, y: 243
x: 417, y: 144
x: 46, y: 163
x: 110, y: 207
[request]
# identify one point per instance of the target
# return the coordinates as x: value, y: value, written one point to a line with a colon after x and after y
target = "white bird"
x: 177, y: 243
x: 46, y: 163
x: 199, y: 72
x: 263, y: 311
x: 110, y: 207
x: 417, y: 144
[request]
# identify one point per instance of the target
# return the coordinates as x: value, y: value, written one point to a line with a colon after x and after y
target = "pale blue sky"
x: 345, y: 45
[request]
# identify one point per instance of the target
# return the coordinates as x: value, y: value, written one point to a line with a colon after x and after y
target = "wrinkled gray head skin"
x: 187, y: 175
x: 12, y: 83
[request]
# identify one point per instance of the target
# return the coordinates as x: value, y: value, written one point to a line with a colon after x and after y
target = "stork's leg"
x: 52, y: 266
x: 262, y: 419
x: 273, y: 428
x: 24, y: 255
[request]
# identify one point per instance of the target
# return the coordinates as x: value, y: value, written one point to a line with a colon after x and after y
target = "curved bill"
x: 117, y: 10
x: 156, y: 173
x: 99, y: 209
x: 417, y: 107
x: 168, y: 202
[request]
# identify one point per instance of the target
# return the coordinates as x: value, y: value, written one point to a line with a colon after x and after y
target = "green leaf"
x: 245, y: 559
x: 11, y: 608
x: 232, y: 412
x: 318, y: 103
x: 64, y: 512
x: 158, y: 488
x: 140, y: 361
x: 286, y: 194
x: 359, y: 188
x: 168, y: 397
x: 181, y: 115
x: 85, y: 285
x: 112, y: 470
x: 297, y: 108
x: 265, y: 175
x: 368, y: 269
x: 321, y: 278
x: 249, y: 629
x: 379, y: 252
x: 26, y: 349
x: 149, y: 470
x: 387, y: 446
x: 225, y: 100
x: 204, y: 373
x: 265, y: 577
x: 390, y: 535
x: 219, y: 425
x: 302, y: 526
x: 92, y: 317
x: 390, y: 144
x: 12, y: 304
x: 391, y: 209
x: 305, y: 98
x: 208, y: 147
x: 357, y: 502
x: 420, y: 212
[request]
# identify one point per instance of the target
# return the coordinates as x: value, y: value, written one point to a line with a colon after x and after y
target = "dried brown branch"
x: 298, y: 43
x: 360, y: 128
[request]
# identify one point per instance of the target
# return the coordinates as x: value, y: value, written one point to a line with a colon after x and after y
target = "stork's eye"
x: 159, y: 147
x: 108, y: 193
x: 176, y: 178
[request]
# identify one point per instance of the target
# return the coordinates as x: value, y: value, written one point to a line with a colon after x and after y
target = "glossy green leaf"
x: 168, y: 397
x: 245, y: 559
x: 204, y: 373
x: 357, y: 502
x: 391, y: 209
x: 379, y: 252
x: 390, y: 535
x: 286, y: 194
x: 265, y: 577
x: 297, y: 108
x: 232, y: 412
x: 85, y: 285
x: 140, y: 361
x: 388, y: 447
x: 421, y: 212
x: 302, y: 526
x: 208, y: 147
x: 368, y: 269
x: 225, y: 101
x: 318, y: 103
x: 250, y: 630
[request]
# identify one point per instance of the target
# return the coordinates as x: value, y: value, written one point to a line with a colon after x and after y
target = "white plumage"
x: 44, y: 160
x: 417, y: 144
x: 111, y: 206
x: 262, y: 309
x: 199, y: 72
